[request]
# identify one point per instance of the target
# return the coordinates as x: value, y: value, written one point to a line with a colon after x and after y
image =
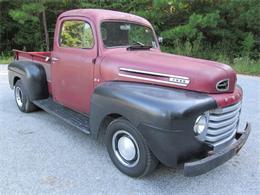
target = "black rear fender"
x: 33, y: 77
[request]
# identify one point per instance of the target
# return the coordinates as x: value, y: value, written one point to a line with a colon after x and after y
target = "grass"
x: 243, y: 65
x: 247, y: 66
x: 5, y: 59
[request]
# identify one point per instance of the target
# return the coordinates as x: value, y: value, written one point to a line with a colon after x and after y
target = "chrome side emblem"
x: 223, y: 85
x: 179, y: 80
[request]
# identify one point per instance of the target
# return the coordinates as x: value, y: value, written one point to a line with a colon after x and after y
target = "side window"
x: 76, y: 34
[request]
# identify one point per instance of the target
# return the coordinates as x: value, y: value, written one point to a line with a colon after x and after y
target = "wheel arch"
x: 33, y: 76
x: 106, y: 121
x: 113, y: 99
x: 16, y: 78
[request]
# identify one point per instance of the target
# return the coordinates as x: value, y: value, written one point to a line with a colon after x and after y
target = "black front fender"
x: 164, y: 116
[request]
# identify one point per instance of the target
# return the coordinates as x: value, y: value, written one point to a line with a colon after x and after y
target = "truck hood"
x: 170, y: 70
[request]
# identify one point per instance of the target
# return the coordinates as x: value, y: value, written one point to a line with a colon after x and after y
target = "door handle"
x: 54, y: 59
x: 94, y: 60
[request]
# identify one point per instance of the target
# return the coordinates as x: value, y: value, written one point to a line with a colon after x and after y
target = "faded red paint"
x: 226, y: 99
x: 203, y: 74
x: 72, y: 79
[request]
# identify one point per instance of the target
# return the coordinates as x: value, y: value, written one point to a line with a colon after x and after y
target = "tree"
x: 201, y: 28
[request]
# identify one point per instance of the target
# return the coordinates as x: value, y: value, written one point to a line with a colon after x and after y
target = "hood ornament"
x: 223, y: 85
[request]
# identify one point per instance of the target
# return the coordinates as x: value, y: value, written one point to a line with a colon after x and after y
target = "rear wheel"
x: 22, y: 99
x: 128, y: 149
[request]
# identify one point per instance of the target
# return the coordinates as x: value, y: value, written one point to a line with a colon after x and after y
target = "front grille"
x: 223, y: 124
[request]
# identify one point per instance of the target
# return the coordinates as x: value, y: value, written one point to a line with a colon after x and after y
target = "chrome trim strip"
x: 219, y: 137
x: 221, y: 130
x: 152, y: 80
x: 224, y: 140
x: 227, y: 109
x: 173, y: 79
x: 225, y: 116
x: 232, y: 108
x: 217, y: 125
x: 152, y: 73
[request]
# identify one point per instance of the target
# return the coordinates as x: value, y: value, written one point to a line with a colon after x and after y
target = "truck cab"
x: 108, y: 77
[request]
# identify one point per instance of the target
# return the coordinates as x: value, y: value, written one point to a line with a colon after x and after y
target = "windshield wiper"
x: 139, y: 47
x: 138, y: 43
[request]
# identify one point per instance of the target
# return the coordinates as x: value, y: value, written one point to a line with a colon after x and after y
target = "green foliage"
x: 27, y: 12
x: 5, y: 58
x: 76, y: 34
x: 24, y: 18
x: 245, y: 65
x: 224, y: 30
x: 248, y: 44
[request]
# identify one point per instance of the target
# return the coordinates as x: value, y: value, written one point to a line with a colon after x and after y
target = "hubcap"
x: 125, y: 148
x: 19, y: 96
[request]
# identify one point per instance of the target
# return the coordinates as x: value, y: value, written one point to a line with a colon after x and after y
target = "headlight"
x: 200, y: 125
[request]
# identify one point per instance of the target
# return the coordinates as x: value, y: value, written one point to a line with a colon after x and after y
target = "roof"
x: 102, y: 14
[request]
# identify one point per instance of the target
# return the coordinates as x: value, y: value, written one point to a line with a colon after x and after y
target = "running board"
x: 71, y: 117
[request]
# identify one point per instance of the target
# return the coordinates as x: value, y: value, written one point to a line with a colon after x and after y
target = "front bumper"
x: 215, y: 159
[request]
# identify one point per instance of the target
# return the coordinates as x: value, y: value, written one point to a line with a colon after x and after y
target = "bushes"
x: 5, y: 58
x: 245, y: 65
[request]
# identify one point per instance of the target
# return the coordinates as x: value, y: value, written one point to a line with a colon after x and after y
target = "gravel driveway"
x: 40, y: 154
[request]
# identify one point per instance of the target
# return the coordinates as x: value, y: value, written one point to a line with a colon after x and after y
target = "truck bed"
x: 32, y: 56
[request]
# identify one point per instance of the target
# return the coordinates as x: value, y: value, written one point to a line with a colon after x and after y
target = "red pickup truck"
x: 108, y: 77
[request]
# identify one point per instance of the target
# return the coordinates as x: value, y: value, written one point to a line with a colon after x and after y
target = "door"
x: 73, y: 63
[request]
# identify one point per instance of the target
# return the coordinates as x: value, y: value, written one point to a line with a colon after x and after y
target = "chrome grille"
x: 223, y: 124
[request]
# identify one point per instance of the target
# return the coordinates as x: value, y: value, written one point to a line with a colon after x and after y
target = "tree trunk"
x: 47, y: 41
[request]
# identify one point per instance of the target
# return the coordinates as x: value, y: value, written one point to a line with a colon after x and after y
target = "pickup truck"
x: 107, y: 77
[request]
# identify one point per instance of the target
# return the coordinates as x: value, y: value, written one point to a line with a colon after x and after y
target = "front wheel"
x: 128, y: 149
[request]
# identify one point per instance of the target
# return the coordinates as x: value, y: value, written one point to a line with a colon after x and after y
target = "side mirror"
x: 160, y: 39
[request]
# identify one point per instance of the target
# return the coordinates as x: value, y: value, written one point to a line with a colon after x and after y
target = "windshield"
x: 123, y: 34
